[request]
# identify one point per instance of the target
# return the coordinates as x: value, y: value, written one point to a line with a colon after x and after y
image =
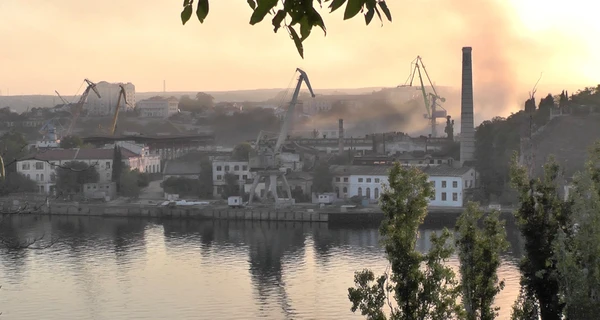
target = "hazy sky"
x: 53, y: 45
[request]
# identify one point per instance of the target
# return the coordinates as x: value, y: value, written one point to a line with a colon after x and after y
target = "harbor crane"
x: 79, y: 106
x: 123, y: 95
x: 432, y: 100
x: 265, y: 159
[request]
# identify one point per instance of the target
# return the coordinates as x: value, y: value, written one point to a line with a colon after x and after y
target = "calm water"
x: 139, y: 269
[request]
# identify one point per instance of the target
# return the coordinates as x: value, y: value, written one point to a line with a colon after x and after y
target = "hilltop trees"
x: 295, y: 15
x: 70, y: 142
x: 203, y: 101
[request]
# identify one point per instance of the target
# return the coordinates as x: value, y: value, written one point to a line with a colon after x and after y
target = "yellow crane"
x: 431, y: 99
x: 123, y: 95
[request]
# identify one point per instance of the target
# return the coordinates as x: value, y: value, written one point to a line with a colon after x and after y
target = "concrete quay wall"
x: 264, y: 214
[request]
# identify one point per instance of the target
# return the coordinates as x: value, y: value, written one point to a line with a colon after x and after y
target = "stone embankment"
x: 335, y: 215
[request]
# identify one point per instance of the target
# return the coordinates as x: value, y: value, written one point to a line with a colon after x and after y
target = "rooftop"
x: 383, y: 170
x: 78, y: 154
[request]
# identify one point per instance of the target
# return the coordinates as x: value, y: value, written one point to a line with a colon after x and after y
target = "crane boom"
x: 285, y: 126
x: 430, y: 99
x: 123, y: 94
x: 79, y: 106
x: 65, y: 102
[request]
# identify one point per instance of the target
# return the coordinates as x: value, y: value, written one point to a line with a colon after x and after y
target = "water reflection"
x: 135, y: 268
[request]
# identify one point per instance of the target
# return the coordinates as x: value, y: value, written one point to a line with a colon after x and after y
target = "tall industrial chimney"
x: 467, y: 127
x: 341, y: 136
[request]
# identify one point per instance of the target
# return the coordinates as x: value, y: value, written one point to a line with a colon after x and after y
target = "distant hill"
x: 568, y: 139
x: 23, y: 102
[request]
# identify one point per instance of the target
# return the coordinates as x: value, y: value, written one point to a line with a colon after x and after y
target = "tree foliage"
x: 15, y: 182
x: 70, y: 142
x: 12, y: 147
x: 479, y: 254
x: 202, y: 102
x: 322, y: 178
x: 422, y: 285
x: 117, y: 165
x: 129, y: 183
x: 241, y: 152
x: 73, y: 175
x: 231, y: 187
x: 541, y: 215
x: 577, y: 249
x: 297, y: 17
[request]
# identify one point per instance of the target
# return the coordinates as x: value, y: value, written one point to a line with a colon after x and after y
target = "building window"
x: 369, y: 180
x: 108, y: 175
x: 443, y: 196
x: 377, y: 181
x: 219, y: 168
x: 454, y: 184
x: 337, y: 179
x: 53, y: 177
x: 368, y: 193
x: 39, y: 166
x: 359, y: 191
x: 244, y: 167
x: 454, y: 196
x: 107, y: 164
x: 360, y: 179
x: 37, y: 177
x: 337, y: 191
x: 42, y: 177
x: 219, y: 177
x: 346, y: 179
x: 345, y: 190
x: 238, y: 177
x: 25, y: 166
x: 376, y: 193
x: 431, y: 161
x: 236, y: 168
x: 444, y: 184
x: 226, y: 168
x: 439, y: 161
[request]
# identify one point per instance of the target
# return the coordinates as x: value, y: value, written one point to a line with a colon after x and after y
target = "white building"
x: 158, y: 107
x: 368, y: 182
x: 41, y: 167
x: 109, y: 95
x: 222, y: 166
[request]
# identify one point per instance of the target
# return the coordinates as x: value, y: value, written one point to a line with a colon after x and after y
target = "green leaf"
x: 277, y: 19
x: 297, y: 41
x: 385, y: 10
x: 318, y: 20
x: 352, y: 8
x: 263, y: 7
x: 202, y: 10
x: 186, y: 14
x: 305, y: 28
x: 252, y: 4
x: 369, y: 15
x: 336, y: 4
x: 186, y: 3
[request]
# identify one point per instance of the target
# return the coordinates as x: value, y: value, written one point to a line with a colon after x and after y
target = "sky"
x: 54, y: 45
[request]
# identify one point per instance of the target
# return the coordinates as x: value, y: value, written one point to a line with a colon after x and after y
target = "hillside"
x: 568, y: 139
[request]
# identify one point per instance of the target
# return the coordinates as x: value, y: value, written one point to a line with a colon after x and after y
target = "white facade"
x: 220, y: 167
x: 158, y: 107
x: 370, y: 181
x: 291, y: 161
x: 41, y: 168
x: 109, y: 94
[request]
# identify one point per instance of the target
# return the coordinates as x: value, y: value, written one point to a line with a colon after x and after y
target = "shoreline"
x: 366, y: 216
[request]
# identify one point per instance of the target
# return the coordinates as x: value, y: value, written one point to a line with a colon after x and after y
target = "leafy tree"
x: 241, y: 152
x: 12, y: 147
x: 15, y: 182
x: 578, y: 247
x: 479, y: 254
x: 231, y: 187
x: 205, y: 100
x: 129, y: 183
x: 117, y: 165
x: 205, y: 178
x: 543, y: 114
x: 301, y: 13
x: 70, y: 142
x: 73, y: 175
x: 181, y: 186
x: 322, y: 178
x: 540, y: 216
x: 143, y: 179
x: 423, y: 286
